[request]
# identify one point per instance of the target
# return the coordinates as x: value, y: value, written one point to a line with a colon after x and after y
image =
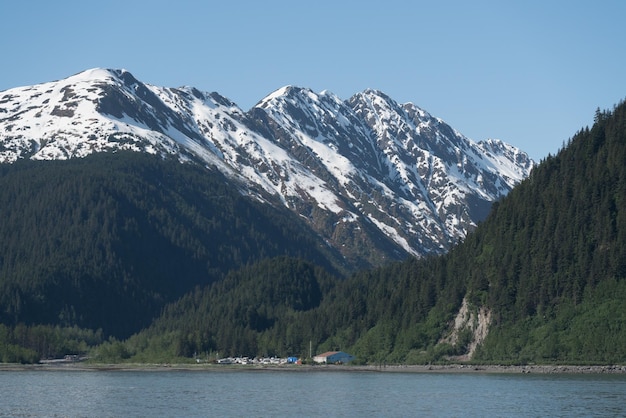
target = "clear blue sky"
x: 528, y: 72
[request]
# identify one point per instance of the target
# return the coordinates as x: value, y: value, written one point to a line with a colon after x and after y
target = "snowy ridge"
x: 436, y: 182
x: 376, y: 178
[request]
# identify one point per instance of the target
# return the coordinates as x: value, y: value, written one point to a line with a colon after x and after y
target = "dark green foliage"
x: 384, y: 314
x: 593, y: 331
x: 105, y: 241
x: 287, y: 307
x: 252, y: 311
x: 563, y: 230
x: 552, y: 255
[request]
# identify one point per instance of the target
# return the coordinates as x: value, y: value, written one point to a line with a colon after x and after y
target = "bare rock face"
x: 474, y: 322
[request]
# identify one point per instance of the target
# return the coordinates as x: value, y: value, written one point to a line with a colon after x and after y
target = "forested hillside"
x: 105, y: 241
x: 548, y: 267
x: 551, y: 259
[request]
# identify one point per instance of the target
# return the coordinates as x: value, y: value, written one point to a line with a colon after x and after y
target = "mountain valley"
x: 152, y: 225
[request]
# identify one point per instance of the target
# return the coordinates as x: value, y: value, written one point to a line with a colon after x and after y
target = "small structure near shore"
x: 333, y: 357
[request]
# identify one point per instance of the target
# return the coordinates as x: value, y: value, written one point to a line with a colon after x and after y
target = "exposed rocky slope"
x: 377, y: 179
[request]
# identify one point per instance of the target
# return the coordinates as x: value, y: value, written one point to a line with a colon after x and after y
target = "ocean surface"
x: 67, y: 393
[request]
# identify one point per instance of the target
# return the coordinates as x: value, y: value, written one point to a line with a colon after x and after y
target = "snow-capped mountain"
x: 376, y: 178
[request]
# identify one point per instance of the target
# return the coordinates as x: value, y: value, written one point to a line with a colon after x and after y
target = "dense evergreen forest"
x: 551, y: 259
x: 285, y: 306
x: 548, y: 267
x: 105, y: 241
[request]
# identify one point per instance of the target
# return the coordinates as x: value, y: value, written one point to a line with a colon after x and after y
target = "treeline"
x: 105, y: 241
x: 30, y: 344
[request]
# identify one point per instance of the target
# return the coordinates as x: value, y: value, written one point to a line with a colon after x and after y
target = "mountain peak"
x: 370, y: 92
x: 97, y: 74
x: 375, y: 178
x: 294, y: 94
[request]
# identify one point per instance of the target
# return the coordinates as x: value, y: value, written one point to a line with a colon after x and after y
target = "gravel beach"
x: 448, y: 368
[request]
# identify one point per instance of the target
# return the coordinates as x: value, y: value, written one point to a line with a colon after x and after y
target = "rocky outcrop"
x: 468, y: 330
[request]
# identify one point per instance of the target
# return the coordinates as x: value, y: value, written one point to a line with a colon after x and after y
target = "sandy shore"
x: 450, y: 368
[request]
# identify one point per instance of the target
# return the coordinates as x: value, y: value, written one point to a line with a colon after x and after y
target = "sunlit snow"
x: 381, y: 157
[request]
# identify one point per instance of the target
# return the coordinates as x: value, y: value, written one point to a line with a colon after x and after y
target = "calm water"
x: 297, y: 394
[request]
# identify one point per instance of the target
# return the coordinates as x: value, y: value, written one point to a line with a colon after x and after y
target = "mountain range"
x: 377, y: 180
x: 193, y: 228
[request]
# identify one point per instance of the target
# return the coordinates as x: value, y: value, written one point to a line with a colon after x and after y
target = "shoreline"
x: 447, y: 368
